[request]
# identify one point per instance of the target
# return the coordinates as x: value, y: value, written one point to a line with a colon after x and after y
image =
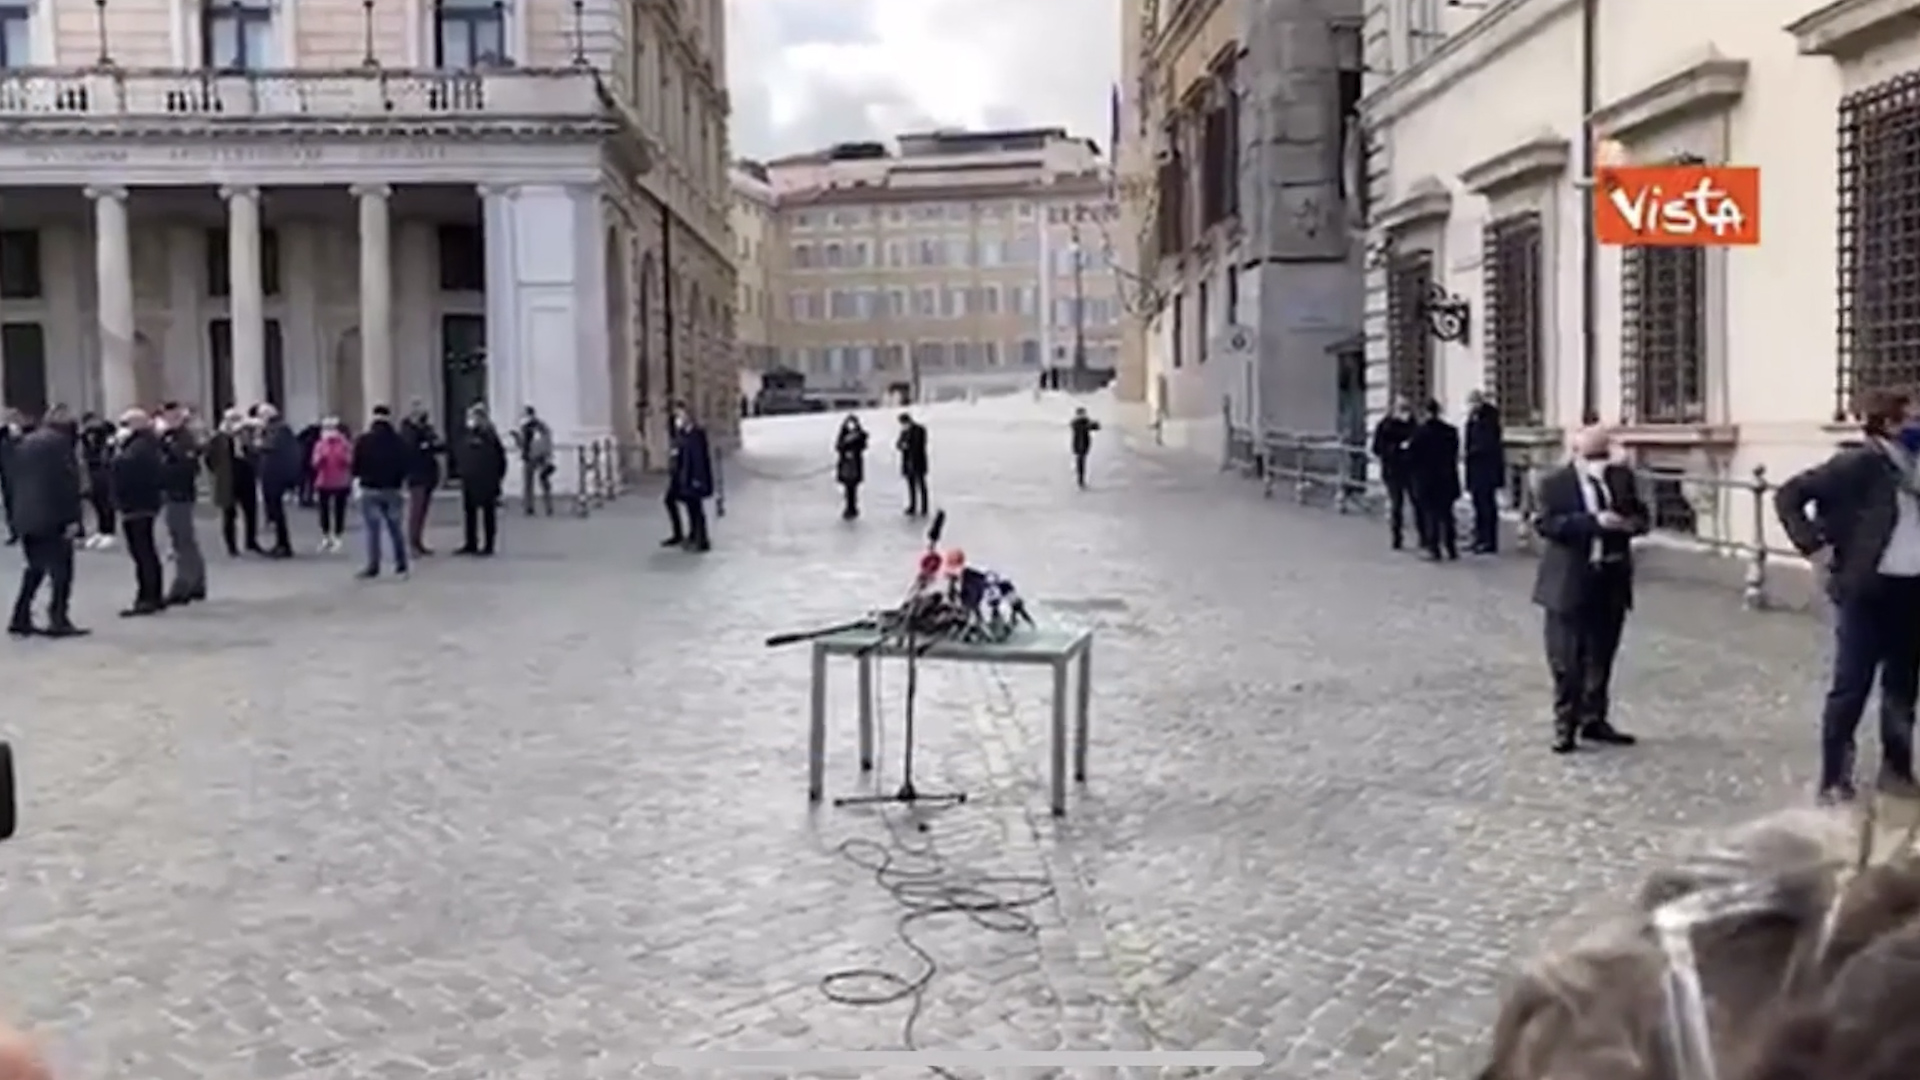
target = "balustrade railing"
x: 129, y: 93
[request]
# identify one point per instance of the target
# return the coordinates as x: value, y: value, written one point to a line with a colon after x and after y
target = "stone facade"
x: 595, y: 171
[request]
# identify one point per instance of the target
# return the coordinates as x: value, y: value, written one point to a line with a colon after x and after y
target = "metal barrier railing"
x: 1725, y: 516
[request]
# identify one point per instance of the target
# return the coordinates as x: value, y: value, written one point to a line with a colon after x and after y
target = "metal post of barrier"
x: 1300, y: 479
x: 1754, y: 596
x: 581, y: 506
x: 1267, y: 465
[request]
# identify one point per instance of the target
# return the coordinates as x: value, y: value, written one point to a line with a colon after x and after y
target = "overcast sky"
x: 809, y: 73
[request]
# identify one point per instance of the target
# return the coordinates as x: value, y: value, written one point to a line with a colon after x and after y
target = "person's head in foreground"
x: 1804, y: 966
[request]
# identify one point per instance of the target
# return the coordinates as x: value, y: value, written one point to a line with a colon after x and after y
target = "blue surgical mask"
x: 1909, y: 437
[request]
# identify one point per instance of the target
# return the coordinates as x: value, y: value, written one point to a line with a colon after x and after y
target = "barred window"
x: 1663, y: 335
x: 1409, y: 336
x: 1511, y: 260
x: 1879, y: 240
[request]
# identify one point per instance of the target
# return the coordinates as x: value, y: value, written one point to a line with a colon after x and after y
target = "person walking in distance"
x: 229, y: 460
x: 689, y: 481
x: 180, y: 454
x: 912, y: 445
x: 45, y: 515
x: 1590, y: 511
x: 1486, y: 461
x: 535, y: 440
x: 1390, y: 438
x: 1864, y: 532
x: 382, y: 462
x: 139, y: 492
x: 480, y: 461
x: 850, y: 466
x: 424, y: 448
x: 1082, y: 427
x: 1433, y: 458
x: 331, y: 465
x: 99, y: 440
x: 278, y: 464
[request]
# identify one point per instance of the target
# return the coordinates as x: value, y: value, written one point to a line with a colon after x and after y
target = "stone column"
x: 245, y: 297
x: 113, y: 268
x: 376, y: 295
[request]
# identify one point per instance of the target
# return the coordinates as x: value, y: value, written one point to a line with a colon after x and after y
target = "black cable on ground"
x: 923, y: 883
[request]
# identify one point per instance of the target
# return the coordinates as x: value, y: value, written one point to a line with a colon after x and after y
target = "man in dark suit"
x: 1590, y: 511
x: 45, y: 515
x: 480, y: 460
x: 1865, y: 532
x: 139, y: 492
x: 1390, y: 438
x: 689, y: 482
x: 1433, y: 461
x: 1486, y: 460
x: 912, y: 445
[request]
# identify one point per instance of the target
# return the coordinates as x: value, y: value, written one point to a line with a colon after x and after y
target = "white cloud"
x: 808, y: 73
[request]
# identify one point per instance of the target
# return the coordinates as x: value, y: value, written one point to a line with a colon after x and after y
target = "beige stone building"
x: 955, y: 263
x: 756, y: 235
x: 334, y: 203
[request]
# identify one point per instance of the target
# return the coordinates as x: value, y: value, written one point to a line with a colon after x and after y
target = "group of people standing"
x: 850, y: 467
x: 1421, y: 461
x: 142, y: 475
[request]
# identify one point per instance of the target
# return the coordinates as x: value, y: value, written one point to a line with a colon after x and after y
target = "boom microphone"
x: 939, y: 526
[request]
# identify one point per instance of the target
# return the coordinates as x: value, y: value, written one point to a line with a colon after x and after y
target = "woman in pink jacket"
x: 332, y: 481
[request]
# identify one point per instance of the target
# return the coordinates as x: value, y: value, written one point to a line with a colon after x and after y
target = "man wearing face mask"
x: 1390, y: 438
x: 1864, y: 531
x: 1590, y: 511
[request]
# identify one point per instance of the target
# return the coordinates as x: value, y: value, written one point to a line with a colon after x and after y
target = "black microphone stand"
x: 912, y: 644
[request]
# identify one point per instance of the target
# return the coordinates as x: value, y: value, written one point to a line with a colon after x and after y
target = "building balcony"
x: 50, y: 101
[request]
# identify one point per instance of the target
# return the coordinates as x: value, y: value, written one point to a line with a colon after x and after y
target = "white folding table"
x: 1060, y: 649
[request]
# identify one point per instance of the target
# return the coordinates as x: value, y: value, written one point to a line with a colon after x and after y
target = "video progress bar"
x: 753, y: 1060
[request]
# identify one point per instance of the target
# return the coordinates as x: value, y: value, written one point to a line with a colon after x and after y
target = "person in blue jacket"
x: 689, y: 482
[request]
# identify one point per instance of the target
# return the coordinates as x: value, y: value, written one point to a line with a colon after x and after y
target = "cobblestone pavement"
x: 544, y: 816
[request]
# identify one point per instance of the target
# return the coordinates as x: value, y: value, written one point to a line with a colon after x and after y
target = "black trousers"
x: 850, y: 502
x: 50, y: 560
x: 1581, y: 646
x: 1398, y: 495
x: 1876, y: 634
x: 100, y: 495
x: 147, y: 572
x: 333, y: 511
x: 693, y: 530
x: 479, y: 522
x: 275, y: 504
x: 1080, y: 467
x: 1439, y: 531
x: 1486, y: 518
x: 242, y: 511
x: 917, y: 501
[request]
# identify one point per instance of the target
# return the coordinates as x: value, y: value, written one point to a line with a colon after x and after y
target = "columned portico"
x: 246, y: 289
x: 376, y: 294
x: 113, y: 274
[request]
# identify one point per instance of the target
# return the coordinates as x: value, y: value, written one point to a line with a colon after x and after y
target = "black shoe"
x: 485, y: 553
x: 280, y: 553
x: 20, y: 629
x: 421, y: 552
x: 256, y: 549
x: 466, y: 551
x: 1606, y: 734
x: 141, y: 610
x: 181, y: 600
x: 699, y: 546
x: 65, y: 630
x: 1565, y: 743
x: 673, y: 541
x: 368, y: 574
x: 1896, y: 784
x: 1836, y: 794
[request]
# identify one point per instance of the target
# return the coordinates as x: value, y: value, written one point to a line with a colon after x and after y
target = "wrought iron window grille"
x: 1878, y: 241
x: 1511, y: 261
